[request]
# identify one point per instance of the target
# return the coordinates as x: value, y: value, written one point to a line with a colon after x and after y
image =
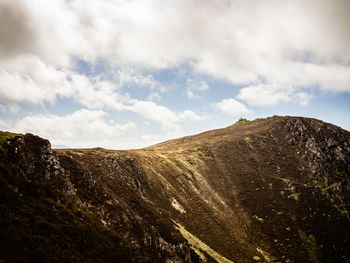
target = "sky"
x: 124, y: 74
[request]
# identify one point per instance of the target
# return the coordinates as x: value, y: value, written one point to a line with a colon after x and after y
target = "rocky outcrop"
x: 325, y: 149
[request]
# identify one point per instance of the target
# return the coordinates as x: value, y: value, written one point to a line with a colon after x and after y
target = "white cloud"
x: 194, y: 86
x: 130, y: 77
x: 276, y: 50
x: 272, y: 95
x: 167, y: 118
x: 105, y: 95
x: 154, y: 96
x: 35, y: 83
x: 28, y: 79
x: 285, y: 42
x: 4, y: 126
x: 232, y: 107
x: 83, y: 128
x: 263, y: 95
x: 189, y: 115
x: 304, y: 98
x: 96, y: 93
x: 91, y: 128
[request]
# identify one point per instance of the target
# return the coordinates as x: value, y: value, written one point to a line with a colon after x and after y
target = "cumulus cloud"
x: 275, y: 49
x: 83, y: 128
x: 263, y: 95
x: 126, y: 77
x: 103, y: 94
x: 194, y: 86
x: 189, y: 115
x: 4, y: 125
x: 27, y: 78
x: 16, y: 34
x: 154, y: 96
x: 91, y: 128
x: 167, y: 118
x: 232, y: 107
x: 220, y: 38
x: 304, y: 98
x: 271, y: 95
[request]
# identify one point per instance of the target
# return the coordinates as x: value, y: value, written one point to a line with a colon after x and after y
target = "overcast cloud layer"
x: 271, y: 52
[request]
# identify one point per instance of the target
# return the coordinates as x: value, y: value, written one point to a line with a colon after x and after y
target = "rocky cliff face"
x: 269, y: 190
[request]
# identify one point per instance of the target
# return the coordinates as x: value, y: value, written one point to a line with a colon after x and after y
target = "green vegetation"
x: 342, y: 209
x: 340, y: 173
x: 320, y: 123
x: 324, y: 189
x: 203, y: 152
x: 267, y: 256
x: 310, y: 245
x: 199, y: 247
x: 242, y: 121
x: 256, y: 258
x: 170, y: 162
x: 61, y: 233
x: 248, y: 141
x: 261, y: 220
x: 4, y: 136
x: 79, y: 153
x: 301, y: 144
x: 295, y: 196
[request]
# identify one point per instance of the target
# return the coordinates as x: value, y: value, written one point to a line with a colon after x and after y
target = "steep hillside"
x: 269, y: 190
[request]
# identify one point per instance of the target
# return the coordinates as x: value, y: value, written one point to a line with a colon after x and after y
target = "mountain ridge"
x: 267, y: 190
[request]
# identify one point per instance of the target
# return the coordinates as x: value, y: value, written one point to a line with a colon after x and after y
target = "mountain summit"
x: 268, y: 190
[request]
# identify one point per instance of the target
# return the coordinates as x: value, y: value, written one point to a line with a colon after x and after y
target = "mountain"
x: 268, y: 190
